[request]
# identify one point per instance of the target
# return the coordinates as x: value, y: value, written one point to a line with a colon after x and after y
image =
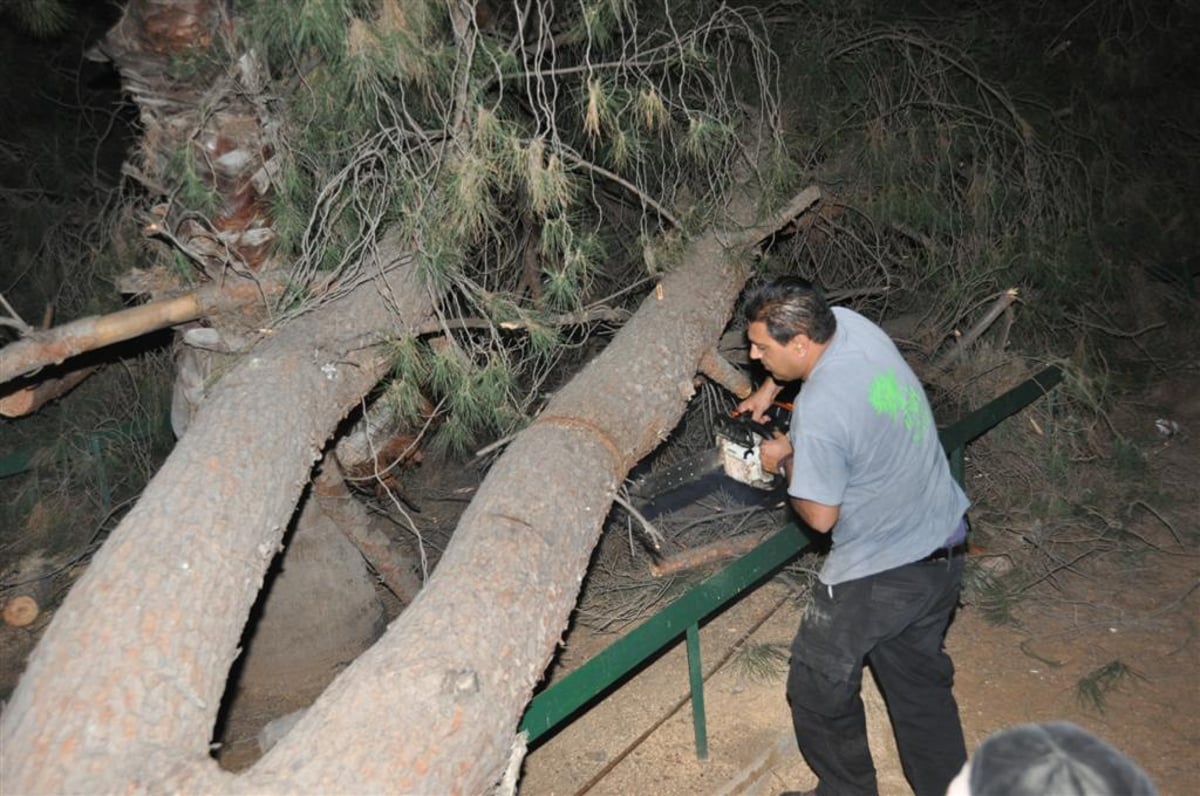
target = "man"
x: 863, y: 463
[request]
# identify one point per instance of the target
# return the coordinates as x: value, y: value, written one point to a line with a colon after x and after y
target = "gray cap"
x: 1053, y: 759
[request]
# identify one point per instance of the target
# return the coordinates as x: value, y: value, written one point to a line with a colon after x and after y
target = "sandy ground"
x: 1155, y: 719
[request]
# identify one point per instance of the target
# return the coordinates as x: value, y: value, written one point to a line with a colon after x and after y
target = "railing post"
x: 958, y: 464
x: 696, y: 675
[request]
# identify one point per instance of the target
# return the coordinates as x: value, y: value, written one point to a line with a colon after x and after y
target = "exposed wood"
x: 28, y: 400
x: 21, y: 610
x: 725, y: 374
x: 997, y: 308
x: 707, y: 554
x: 53, y: 346
x: 393, y: 564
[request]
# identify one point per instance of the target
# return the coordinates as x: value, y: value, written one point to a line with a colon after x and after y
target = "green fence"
x: 562, y: 701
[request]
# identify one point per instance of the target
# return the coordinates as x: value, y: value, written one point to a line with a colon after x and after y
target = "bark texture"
x: 459, y: 666
x: 122, y: 692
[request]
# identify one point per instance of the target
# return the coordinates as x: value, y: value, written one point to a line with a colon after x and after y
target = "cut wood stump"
x: 26, y: 603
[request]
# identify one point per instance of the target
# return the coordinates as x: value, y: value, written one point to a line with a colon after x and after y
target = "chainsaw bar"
x: 671, y: 478
x: 735, y: 453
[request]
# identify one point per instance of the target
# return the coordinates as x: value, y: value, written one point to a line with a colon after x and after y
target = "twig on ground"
x: 1161, y: 518
x: 707, y: 554
x: 655, y: 535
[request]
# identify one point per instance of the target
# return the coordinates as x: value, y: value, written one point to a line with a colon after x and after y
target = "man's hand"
x: 772, y: 451
x: 760, y: 400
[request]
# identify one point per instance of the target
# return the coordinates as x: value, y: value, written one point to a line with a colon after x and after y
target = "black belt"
x: 943, y: 553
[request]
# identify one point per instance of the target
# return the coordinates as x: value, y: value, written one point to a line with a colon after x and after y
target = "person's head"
x: 789, y: 324
x: 1056, y: 758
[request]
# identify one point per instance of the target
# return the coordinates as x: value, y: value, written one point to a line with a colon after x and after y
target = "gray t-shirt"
x: 864, y: 439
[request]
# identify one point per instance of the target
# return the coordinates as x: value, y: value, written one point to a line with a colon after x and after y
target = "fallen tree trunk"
x: 124, y: 687
x: 459, y: 666
x: 123, y: 690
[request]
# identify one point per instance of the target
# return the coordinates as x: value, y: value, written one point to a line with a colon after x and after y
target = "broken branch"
x: 749, y: 236
x: 14, y: 320
x: 53, y: 346
x: 707, y: 554
x: 720, y: 370
x: 1002, y: 303
x: 28, y: 400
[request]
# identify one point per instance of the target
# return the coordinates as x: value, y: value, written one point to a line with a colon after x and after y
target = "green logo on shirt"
x: 889, y: 397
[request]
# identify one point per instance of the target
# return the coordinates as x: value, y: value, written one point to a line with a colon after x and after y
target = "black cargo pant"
x: 895, y: 620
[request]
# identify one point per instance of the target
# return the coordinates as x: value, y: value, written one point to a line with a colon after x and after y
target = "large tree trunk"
x: 123, y: 691
x: 125, y: 685
x: 437, y: 699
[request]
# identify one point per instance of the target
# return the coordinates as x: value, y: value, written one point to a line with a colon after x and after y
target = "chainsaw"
x: 736, y: 452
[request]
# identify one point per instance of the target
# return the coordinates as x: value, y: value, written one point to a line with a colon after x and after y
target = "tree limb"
x: 719, y: 369
x: 707, y: 554
x: 1002, y: 302
x: 750, y: 236
x: 28, y: 400
x: 53, y: 346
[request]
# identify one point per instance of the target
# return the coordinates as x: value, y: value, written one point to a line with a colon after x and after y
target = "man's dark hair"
x: 789, y: 306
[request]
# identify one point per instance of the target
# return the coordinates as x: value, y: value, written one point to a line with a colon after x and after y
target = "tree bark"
x: 123, y: 690
x: 461, y: 663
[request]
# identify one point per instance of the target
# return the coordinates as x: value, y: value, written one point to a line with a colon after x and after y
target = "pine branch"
x: 566, y: 319
x: 642, y: 196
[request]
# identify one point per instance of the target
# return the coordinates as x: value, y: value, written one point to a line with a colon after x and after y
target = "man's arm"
x: 777, y: 458
x: 817, y: 516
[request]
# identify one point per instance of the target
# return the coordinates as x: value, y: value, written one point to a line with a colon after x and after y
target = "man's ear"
x: 798, y: 341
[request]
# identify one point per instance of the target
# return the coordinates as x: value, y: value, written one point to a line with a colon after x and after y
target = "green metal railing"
x: 562, y: 701
x: 559, y: 702
x: 955, y: 437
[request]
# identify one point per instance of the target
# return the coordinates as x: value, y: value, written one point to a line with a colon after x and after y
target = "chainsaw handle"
x: 773, y: 427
